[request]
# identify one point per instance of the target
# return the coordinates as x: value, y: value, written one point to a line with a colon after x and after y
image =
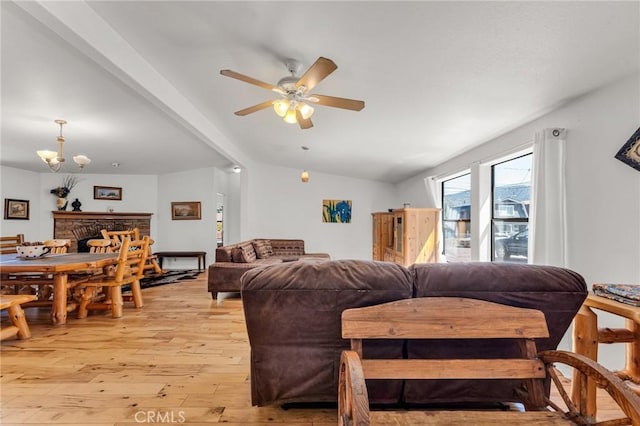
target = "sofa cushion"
x: 289, y: 248
x: 262, y: 248
x: 557, y: 292
x: 237, y: 255
x: 244, y: 253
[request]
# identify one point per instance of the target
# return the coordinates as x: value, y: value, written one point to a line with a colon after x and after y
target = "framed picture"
x: 185, y: 210
x: 107, y: 193
x: 336, y: 211
x: 630, y: 151
x: 16, y: 209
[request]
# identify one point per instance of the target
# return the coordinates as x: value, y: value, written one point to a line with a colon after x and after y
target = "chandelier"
x: 55, y: 159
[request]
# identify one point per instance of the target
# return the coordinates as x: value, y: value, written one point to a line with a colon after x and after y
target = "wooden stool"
x: 12, y: 303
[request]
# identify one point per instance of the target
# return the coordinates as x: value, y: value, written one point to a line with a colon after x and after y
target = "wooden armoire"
x: 406, y: 236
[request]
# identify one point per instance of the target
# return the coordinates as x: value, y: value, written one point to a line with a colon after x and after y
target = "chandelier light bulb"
x: 81, y: 160
x: 304, y: 176
x: 46, y: 155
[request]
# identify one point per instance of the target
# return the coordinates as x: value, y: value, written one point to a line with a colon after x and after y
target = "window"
x: 511, y: 198
x: 456, y: 218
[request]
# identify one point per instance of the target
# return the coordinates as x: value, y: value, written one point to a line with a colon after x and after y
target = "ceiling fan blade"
x: 321, y: 68
x: 332, y: 101
x: 246, y: 111
x: 304, y: 123
x: 250, y: 80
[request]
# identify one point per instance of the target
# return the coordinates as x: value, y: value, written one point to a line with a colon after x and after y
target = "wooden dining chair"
x: 58, y: 246
x: 117, y: 237
x: 8, y: 244
x: 132, y: 256
x: 32, y: 283
x: 458, y: 318
x: 100, y: 246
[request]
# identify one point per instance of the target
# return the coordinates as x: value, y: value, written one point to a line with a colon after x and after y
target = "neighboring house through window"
x: 486, y: 210
x: 511, y: 200
x: 456, y: 218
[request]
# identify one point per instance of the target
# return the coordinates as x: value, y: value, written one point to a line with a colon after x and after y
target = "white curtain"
x: 434, y: 199
x: 548, y: 215
x: 433, y: 192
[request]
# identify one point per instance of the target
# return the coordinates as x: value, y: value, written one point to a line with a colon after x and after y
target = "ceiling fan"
x: 294, y: 102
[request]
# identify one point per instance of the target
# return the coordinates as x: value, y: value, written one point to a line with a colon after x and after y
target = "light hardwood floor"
x: 182, y: 358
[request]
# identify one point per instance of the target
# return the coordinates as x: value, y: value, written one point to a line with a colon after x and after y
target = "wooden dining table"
x: 60, y: 266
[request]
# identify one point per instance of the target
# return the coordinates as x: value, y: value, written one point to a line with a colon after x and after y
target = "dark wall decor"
x: 16, y: 209
x: 630, y: 151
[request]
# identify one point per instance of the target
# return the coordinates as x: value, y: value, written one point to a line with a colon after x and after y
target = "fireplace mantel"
x: 64, y: 223
x: 62, y: 214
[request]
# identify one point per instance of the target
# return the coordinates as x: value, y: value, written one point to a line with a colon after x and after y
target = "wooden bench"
x: 19, y: 326
x: 200, y: 255
x: 458, y: 318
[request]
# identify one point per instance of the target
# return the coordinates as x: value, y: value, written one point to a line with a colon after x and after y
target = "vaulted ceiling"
x: 139, y: 82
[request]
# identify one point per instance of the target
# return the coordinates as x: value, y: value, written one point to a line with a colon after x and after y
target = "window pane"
x: 456, y: 218
x: 511, y: 204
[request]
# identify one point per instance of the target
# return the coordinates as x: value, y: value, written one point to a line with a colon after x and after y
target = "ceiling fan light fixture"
x: 281, y: 106
x: 305, y: 110
x: 290, y: 116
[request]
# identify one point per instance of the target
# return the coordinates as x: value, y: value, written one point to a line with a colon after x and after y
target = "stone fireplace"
x: 82, y: 226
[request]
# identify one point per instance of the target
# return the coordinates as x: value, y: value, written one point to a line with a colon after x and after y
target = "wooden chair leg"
x: 85, y: 299
x: 136, y: 292
x: 116, y: 302
x: 18, y: 320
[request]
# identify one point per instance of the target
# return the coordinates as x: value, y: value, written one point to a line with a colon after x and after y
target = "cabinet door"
x: 399, y: 233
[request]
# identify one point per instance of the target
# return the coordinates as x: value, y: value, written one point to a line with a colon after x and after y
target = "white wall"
x: 281, y: 206
x: 603, y: 193
x: 140, y: 193
x: 19, y: 184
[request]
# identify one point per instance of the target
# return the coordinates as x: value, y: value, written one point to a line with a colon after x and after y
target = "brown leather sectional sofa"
x: 293, y: 313
x: 235, y: 259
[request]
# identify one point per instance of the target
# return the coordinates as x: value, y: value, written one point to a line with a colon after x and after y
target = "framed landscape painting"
x: 185, y: 210
x: 107, y: 193
x: 16, y: 209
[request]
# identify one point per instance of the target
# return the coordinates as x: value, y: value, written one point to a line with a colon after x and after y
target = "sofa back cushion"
x: 262, y: 248
x: 557, y: 292
x: 293, y: 316
x: 243, y: 253
x: 287, y: 248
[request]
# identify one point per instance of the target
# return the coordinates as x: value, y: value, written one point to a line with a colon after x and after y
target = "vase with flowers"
x: 63, y: 191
